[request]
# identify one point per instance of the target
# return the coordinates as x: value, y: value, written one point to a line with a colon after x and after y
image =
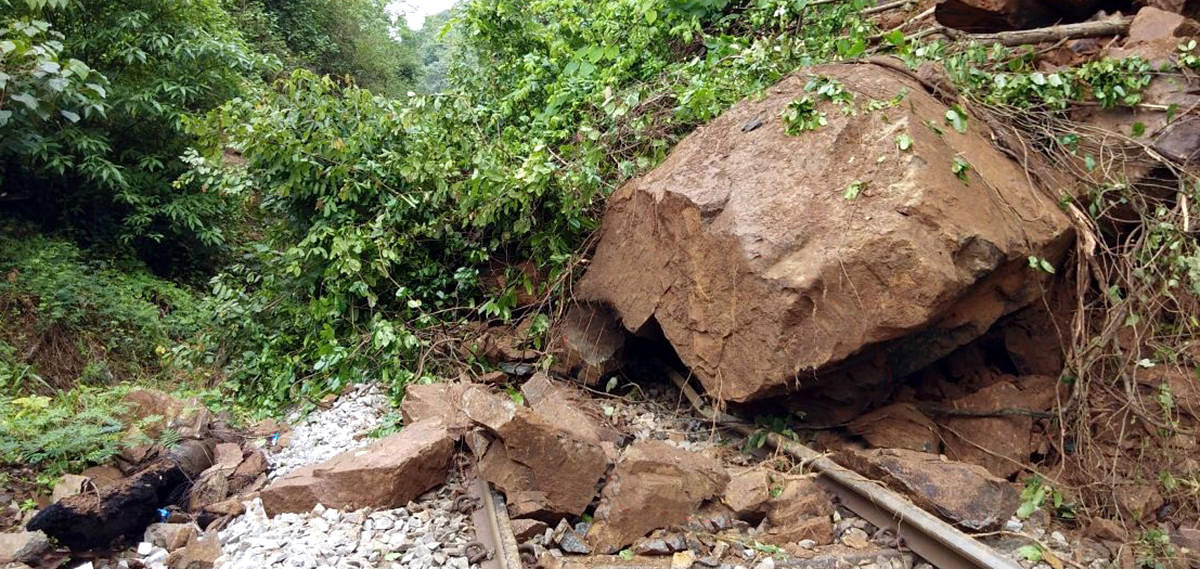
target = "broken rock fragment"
x: 542, y: 465
x: 386, y: 474
x: 654, y: 485
x: 802, y: 511
x: 965, y: 495
x: 22, y: 547
x: 899, y: 425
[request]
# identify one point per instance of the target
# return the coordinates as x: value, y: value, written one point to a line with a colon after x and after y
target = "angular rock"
x: 899, y: 425
x: 22, y: 547
x: 231, y: 507
x: 747, y: 494
x: 915, y: 266
x: 170, y: 536
x: 1181, y: 141
x: 210, y: 488
x: 802, y: 511
x: 1155, y: 34
x: 589, y: 343
x: 227, y: 455
x: 965, y: 495
x: 439, y: 401
x: 386, y: 474
x: 1138, y: 501
x: 654, y: 485
x: 103, y: 476
x: 1107, y: 530
x: 69, y: 485
x: 551, y: 468
x: 202, y: 553
x: 526, y: 529
x: 251, y: 468
x: 556, y: 399
x: 993, y: 15
x: 1005, y: 440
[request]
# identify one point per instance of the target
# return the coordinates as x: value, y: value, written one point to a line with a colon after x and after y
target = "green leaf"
x: 957, y: 118
x: 904, y: 142
x: 961, y: 169
x: 1031, y: 553
x: 69, y: 115
x: 853, y: 190
x: 28, y: 100
x: 1138, y: 129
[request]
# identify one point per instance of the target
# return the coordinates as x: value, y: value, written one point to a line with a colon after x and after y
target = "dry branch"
x: 1112, y: 27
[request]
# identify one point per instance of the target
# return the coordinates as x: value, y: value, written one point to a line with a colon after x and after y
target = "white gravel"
x: 326, y: 433
x: 425, y: 535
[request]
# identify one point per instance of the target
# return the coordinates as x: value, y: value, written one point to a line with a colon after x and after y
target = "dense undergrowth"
x: 225, y: 212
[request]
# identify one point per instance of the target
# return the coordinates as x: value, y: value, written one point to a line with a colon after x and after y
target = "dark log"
x: 119, y: 514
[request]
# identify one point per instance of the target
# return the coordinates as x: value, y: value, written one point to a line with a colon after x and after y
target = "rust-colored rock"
x: 201, y: 553
x: 436, y: 401
x: 386, y: 474
x: 525, y: 529
x: 227, y: 455
x: 554, y: 469
x: 899, y: 425
x: 1003, y: 443
x: 743, y: 250
x: 801, y: 511
x: 654, y: 485
x: 589, y: 343
x: 747, y: 494
x: 69, y: 485
x: 966, y: 495
x: 567, y: 403
x: 171, y: 536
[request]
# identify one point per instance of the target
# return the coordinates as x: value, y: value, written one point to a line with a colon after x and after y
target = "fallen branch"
x: 1114, y: 27
x: 885, y: 7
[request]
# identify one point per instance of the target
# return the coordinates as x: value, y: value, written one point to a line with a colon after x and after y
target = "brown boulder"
x: 1003, y: 443
x: 227, y: 455
x: 210, y: 488
x: 743, y: 248
x: 103, y: 476
x: 747, y: 494
x: 69, y: 485
x: 438, y: 401
x: 965, y: 495
x: 589, y: 343
x: 801, y: 511
x: 553, y: 469
x: 899, y: 425
x: 386, y: 474
x: 654, y: 485
x: 557, y: 399
x: 993, y: 15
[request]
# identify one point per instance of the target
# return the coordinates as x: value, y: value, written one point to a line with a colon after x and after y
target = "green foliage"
x: 103, y: 172
x: 1037, y: 494
x: 39, y: 87
x: 75, y: 318
x: 352, y: 38
x: 999, y: 75
x: 64, y: 433
x: 802, y: 114
x: 378, y: 214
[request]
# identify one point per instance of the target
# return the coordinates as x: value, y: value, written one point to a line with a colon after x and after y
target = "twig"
x: 1113, y: 27
x: 885, y: 7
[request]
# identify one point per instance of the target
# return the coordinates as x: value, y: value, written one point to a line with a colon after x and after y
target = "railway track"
x: 938, y: 542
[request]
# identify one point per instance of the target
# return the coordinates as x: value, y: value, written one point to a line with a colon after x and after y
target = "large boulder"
x: 766, y: 258
x: 386, y: 474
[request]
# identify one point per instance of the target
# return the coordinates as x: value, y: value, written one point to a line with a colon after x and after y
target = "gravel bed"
x: 326, y: 433
x: 424, y: 535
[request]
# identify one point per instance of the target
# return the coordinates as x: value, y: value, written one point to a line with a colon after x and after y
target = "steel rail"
x: 943, y: 545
